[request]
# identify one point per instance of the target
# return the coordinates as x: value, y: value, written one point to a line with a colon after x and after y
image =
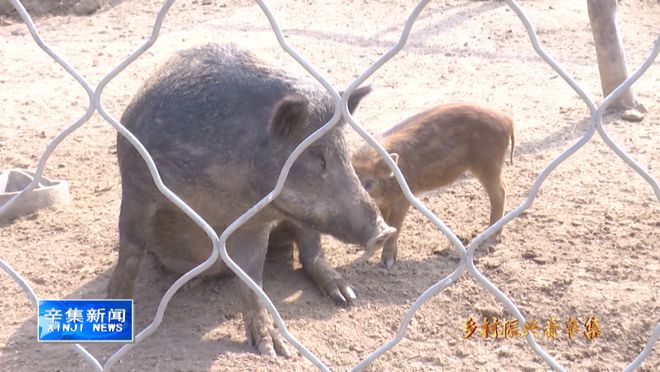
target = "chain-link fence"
x: 466, y: 263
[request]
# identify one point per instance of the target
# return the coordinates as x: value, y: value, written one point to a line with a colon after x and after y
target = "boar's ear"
x: 395, y: 157
x: 288, y: 113
x: 356, y: 97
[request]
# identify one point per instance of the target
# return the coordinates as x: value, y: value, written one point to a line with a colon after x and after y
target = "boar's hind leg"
x: 134, y: 222
x: 281, y: 241
x: 247, y: 247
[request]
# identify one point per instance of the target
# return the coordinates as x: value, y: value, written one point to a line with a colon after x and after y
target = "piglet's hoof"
x: 388, y: 257
x: 262, y: 335
x: 388, y: 262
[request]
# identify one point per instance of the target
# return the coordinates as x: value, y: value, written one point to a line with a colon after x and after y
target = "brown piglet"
x: 433, y: 149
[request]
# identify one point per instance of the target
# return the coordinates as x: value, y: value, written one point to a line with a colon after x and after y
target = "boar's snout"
x: 366, y: 225
x: 371, y: 229
x: 381, y: 234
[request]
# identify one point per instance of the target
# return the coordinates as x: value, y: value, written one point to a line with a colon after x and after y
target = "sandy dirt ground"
x: 588, y: 246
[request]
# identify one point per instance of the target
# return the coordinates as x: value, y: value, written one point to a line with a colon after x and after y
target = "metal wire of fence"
x: 341, y: 109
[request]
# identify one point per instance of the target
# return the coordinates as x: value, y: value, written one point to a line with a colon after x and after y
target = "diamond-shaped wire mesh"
x: 466, y: 263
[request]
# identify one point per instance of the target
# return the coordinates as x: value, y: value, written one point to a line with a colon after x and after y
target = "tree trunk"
x: 609, y: 51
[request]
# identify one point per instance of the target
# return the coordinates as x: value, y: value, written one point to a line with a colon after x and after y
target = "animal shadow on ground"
x: 199, y: 314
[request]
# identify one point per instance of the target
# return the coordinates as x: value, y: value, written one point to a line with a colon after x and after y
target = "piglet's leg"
x: 491, y: 179
x: 247, y: 247
x: 394, y: 217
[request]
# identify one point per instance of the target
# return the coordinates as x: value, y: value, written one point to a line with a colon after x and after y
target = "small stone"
x: 503, y: 352
x: 632, y: 115
x: 87, y: 7
x: 488, y: 311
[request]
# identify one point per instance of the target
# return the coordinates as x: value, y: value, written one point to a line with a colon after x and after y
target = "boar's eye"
x: 319, y: 155
x: 323, y: 165
x: 369, y: 184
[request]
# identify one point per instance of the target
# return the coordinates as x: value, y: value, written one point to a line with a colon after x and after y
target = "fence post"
x: 611, y: 56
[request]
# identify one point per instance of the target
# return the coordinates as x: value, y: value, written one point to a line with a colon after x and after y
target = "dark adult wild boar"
x: 433, y: 149
x: 219, y: 123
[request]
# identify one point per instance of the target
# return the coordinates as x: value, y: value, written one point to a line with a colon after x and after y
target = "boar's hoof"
x: 335, y: 287
x: 343, y: 295
x: 332, y: 284
x: 263, y: 335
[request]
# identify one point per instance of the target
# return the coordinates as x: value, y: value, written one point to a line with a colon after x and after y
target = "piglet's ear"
x: 383, y: 169
x: 357, y: 96
x: 288, y: 113
x: 395, y: 157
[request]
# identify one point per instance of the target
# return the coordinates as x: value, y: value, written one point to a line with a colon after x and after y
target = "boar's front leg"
x: 331, y: 283
x: 310, y: 254
x: 247, y: 247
